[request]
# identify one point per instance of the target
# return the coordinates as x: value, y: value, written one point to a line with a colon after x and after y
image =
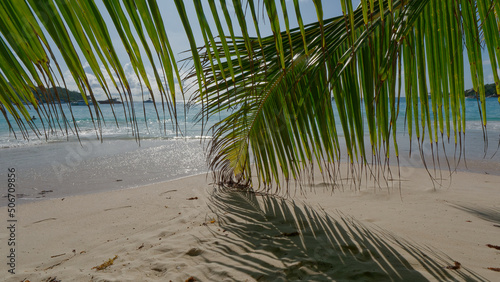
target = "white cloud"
x: 133, y: 81
x: 87, y: 68
x: 490, y: 77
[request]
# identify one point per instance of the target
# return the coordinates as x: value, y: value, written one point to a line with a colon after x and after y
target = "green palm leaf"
x: 353, y: 60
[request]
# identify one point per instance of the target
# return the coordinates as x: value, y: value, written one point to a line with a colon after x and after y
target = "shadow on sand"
x: 273, y: 239
x: 488, y: 214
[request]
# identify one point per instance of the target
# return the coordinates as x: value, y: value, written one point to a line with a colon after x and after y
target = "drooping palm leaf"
x: 354, y: 60
x: 24, y: 33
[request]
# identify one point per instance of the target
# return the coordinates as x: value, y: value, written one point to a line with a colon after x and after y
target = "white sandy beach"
x: 186, y: 228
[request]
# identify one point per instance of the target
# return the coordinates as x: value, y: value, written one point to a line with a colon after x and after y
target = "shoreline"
x: 36, y: 200
x: 478, y: 168
x: 475, y: 166
x: 187, y: 228
x: 65, y: 169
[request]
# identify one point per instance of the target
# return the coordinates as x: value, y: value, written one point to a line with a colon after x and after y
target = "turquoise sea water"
x: 64, y: 166
x: 150, y: 128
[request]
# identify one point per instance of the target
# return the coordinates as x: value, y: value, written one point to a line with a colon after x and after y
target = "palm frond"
x: 290, y: 117
x: 28, y: 60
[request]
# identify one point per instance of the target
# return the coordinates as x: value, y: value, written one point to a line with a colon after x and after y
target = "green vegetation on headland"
x: 490, y: 91
x: 66, y: 96
x: 51, y: 94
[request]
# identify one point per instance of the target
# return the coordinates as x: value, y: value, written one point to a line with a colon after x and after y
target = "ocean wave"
x: 477, y: 125
x: 14, y: 143
x: 9, y: 141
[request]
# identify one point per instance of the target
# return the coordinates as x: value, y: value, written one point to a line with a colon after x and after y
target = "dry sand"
x: 187, y: 228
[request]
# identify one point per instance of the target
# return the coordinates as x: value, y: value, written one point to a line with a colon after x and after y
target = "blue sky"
x: 179, y: 41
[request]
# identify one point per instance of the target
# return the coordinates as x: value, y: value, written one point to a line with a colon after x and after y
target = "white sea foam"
x: 477, y: 125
